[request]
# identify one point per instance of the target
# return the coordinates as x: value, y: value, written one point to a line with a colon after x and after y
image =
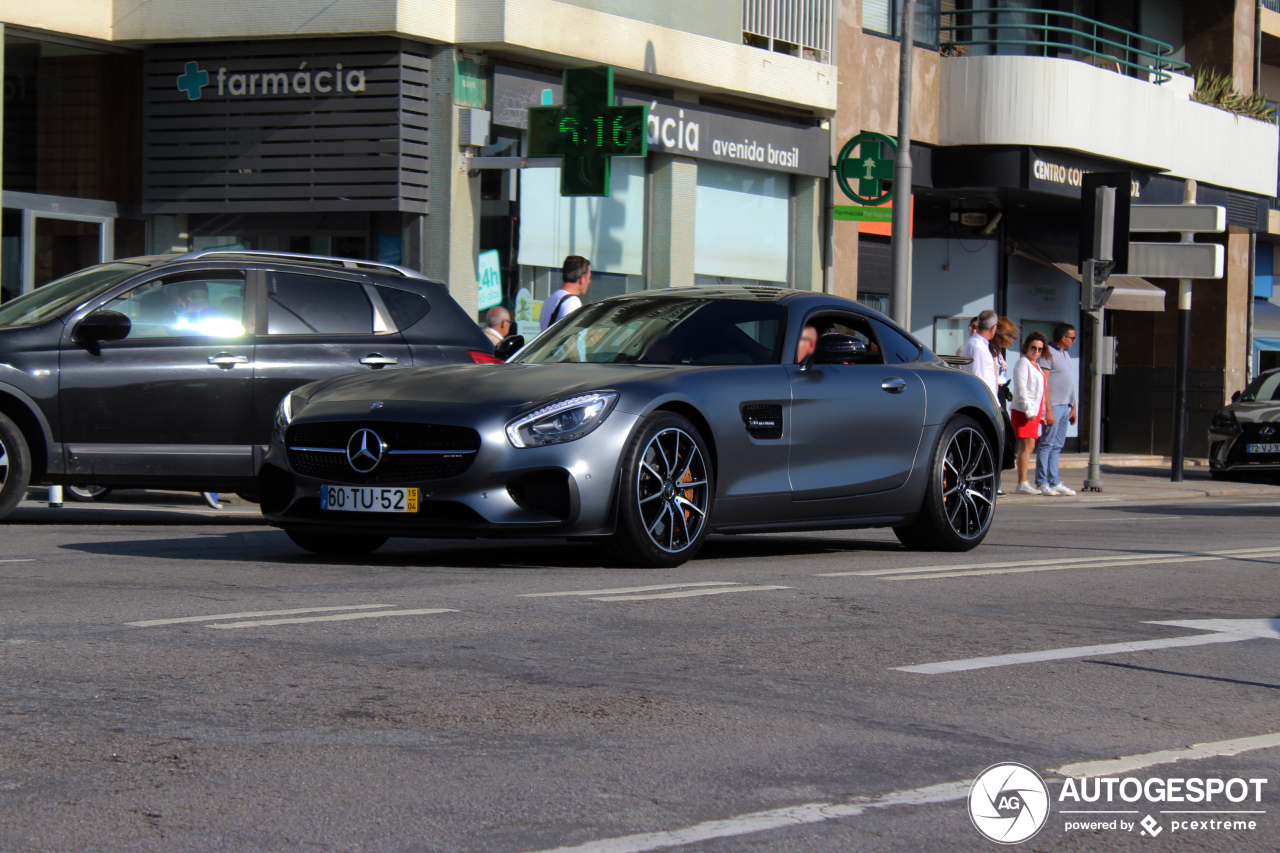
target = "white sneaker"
x: 1047, y: 490
x: 1061, y: 489
x: 1025, y: 488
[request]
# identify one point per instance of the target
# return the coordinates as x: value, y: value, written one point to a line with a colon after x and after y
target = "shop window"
x: 72, y: 120
x: 885, y: 17
x: 742, y: 227
x: 312, y: 305
x: 10, y: 254
x: 130, y: 238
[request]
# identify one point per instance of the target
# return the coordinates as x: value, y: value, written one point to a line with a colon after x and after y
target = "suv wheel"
x: 88, y: 493
x: 15, y: 466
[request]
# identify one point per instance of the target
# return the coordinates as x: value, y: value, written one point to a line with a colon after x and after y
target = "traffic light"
x: 1098, y: 227
x: 1094, y: 291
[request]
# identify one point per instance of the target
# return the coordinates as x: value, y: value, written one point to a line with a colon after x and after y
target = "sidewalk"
x: 1138, y: 478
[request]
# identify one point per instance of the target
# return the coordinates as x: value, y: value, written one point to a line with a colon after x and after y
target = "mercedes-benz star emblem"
x: 364, y: 450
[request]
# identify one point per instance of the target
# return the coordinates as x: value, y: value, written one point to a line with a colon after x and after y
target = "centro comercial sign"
x: 302, y: 80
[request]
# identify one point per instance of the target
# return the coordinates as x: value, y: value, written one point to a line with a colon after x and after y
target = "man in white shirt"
x: 978, y: 348
x: 576, y: 278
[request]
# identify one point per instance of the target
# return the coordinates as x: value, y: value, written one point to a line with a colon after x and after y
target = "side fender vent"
x: 763, y: 420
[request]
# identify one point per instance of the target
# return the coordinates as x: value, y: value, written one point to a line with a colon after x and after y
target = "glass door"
x: 63, y: 246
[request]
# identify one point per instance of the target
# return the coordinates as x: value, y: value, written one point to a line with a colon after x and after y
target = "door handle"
x: 226, y: 360
x: 893, y: 385
x: 377, y: 360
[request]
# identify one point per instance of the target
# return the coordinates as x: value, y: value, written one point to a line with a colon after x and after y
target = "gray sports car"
x: 644, y: 422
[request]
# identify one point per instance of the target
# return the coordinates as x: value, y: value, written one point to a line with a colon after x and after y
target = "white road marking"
x: 807, y: 813
x: 690, y: 593
x: 23, y: 560
x: 337, y: 617
x: 1225, y: 631
x: 153, y: 622
x: 1082, y: 562
x: 1130, y: 763
x: 624, y: 589
x: 1058, y: 568
x: 763, y: 821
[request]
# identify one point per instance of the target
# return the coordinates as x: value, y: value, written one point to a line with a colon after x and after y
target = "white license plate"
x: 1262, y: 448
x: 368, y: 499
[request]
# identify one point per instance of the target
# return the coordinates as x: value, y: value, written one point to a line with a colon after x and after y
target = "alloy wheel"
x: 968, y: 483
x: 672, y: 491
x: 4, y: 464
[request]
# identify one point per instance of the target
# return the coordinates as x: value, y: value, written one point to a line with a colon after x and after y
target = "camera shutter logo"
x: 364, y: 450
x: 1008, y: 803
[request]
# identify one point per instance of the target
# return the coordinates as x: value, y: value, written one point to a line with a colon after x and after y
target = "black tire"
x: 959, y: 501
x: 88, y: 494
x: 15, y: 466
x: 337, y: 544
x: 665, y: 495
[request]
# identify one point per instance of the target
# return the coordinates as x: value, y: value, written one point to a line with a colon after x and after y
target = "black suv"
x: 166, y: 371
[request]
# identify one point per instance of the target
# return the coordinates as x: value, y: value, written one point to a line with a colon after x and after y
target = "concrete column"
x: 673, y: 197
x: 807, y: 239
x: 450, y: 233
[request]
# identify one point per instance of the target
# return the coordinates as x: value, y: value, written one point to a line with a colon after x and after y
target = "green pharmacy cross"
x: 588, y: 131
x: 870, y: 167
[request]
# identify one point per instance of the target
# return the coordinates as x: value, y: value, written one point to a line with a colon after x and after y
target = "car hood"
x: 1256, y: 413
x: 494, y: 385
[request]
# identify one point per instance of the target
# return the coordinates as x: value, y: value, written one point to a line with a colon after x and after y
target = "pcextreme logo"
x: 303, y: 81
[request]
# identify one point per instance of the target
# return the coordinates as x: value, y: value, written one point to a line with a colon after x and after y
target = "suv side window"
x: 315, y: 305
x: 183, y: 305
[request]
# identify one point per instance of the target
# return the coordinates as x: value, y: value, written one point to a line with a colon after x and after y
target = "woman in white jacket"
x: 1029, y: 405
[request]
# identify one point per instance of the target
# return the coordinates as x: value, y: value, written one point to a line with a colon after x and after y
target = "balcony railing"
x: 804, y: 28
x: 1045, y: 32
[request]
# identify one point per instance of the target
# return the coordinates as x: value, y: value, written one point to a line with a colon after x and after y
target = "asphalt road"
x: 178, y: 679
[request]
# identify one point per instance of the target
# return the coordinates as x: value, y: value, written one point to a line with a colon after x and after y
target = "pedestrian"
x: 575, y: 277
x: 1028, y: 406
x: 973, y: 327
x: 1006, y: 334
x: 497, y: 324
x: 1056, y: 359
x: 978, y: 350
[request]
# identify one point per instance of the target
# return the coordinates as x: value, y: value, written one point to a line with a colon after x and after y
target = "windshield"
x: 665, y: 330
x: 49, y: 300
x: 1263, y: 389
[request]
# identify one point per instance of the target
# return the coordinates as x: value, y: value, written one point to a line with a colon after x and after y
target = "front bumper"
x: 559, y: 490
x: 1228, y: 451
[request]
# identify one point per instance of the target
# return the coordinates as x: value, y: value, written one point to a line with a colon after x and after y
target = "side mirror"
x: 834, y: 348
x: 1235, y: 396
x: 101, y: 326
x: 509, y: 346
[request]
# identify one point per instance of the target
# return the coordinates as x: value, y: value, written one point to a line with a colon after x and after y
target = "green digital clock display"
x: 587, y: 131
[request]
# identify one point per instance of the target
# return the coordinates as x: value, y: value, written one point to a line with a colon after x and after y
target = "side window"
x: 898, y: 348
x: 206, y: 304
x: 848, y: 324
x: 314, y: 305
x: 404, y: 307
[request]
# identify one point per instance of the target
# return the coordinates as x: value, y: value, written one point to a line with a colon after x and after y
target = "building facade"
x: 370, y: 130
x: 1012, y: 107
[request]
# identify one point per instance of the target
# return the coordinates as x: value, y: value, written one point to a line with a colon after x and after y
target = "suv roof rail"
x: 346, y: 263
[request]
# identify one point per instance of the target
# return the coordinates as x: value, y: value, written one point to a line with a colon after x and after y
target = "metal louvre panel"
x: 260, y: 134
x: 808, y: 23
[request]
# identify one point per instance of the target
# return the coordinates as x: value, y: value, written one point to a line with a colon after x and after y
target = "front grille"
x: 447, y: 451
x: 763, y: 420
x: 1250, y: 434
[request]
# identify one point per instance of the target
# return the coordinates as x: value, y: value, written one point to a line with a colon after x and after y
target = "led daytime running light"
x: 606, y: 397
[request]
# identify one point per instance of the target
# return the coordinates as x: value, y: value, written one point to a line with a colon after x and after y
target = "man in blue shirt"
x: 1057, y: 363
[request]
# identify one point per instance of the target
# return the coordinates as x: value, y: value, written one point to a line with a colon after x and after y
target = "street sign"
x: 489, y: 292
x: 1203, y: 218
x: 1176, y: 260
x: 849, y: 213
x: 871, y: 167
x: 587, y: 131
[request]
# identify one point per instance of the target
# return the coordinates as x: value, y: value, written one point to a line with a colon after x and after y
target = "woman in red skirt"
x: 1028, y: 406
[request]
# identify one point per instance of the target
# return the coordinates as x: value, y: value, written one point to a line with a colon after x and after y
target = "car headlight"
x: 1224, y: 421
x: 561, y: 421
x: 284, y: 416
